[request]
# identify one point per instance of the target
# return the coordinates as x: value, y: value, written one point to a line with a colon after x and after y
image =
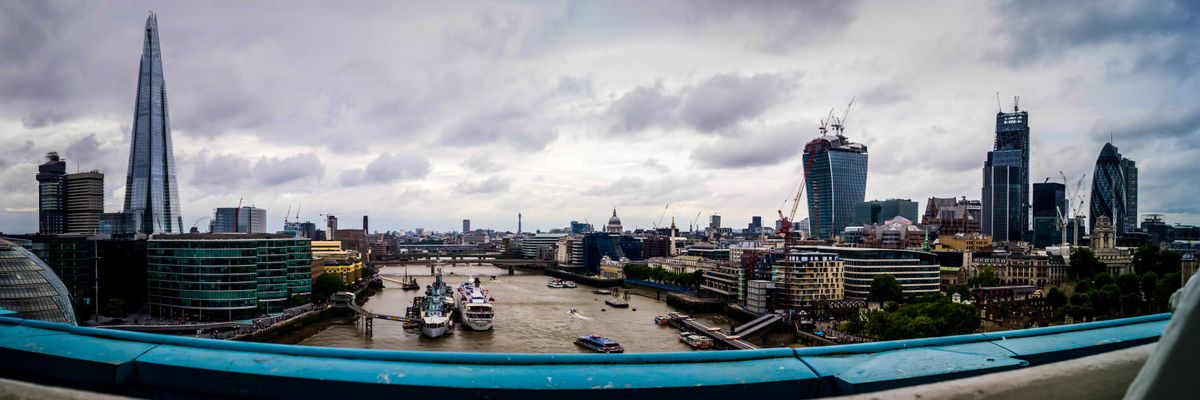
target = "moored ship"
x: 436, y: 317
x: 474, y: 306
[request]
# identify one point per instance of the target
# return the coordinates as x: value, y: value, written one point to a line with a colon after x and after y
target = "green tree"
x: 884, y: 288
x: 1083, y: 285
x: 1170, y: 261
x: 1083, y: 264
x: 1055, y: 298
x: 1149, y: 283
x: 325, y: 286
x: 1167, y: 285
x: 987, y: 277
x: 1146, y: 259
x: 114, y: 307
x: 1102, y: 279
x: 1129, y: 284
x: 963, y: 292
x: 296, y: 300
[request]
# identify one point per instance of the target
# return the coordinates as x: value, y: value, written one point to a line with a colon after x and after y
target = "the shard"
x: 151, y: 194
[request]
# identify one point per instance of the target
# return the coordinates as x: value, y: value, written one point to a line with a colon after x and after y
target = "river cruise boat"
x: 555, y: 283
x: 695, y: 341
x: 600, y: 344
x: 474, y: 306
x: 569, y: 284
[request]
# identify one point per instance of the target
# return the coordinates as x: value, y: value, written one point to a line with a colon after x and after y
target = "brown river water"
x: 530, y: 317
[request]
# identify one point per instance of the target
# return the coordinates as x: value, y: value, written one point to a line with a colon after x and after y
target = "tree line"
x: 660, y: 275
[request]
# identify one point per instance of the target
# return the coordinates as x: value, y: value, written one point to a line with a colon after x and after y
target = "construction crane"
x: 237, y: 214
x: 839, y: 124
x: 692, y: 227
x: 285, y: 215
x: 660, y: 217
x: 1074, y: 204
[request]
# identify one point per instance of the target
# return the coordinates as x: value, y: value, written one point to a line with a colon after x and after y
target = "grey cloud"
x: 655, y: 166
x: 1034, y: 30
x: 776, y: 26
x: 776, y: 145
x: 509, y: 124
x: 387, y: 168
x: 886, y: 94
x: 480, y: 163
x: 275, y: 171
x: 218, y: 169
x: 1178, y: 122
x: 724, y: 100
x: 621, y: 185
x: 10, y: 150
x: 644, y: 107
x: 492, y: 184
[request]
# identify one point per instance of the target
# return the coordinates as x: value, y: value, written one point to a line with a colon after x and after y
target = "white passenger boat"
x: 474, y: 306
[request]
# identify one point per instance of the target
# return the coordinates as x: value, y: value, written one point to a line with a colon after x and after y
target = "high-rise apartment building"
x: 1006, y: 179
x: 805, y: 276
x: 84, y: 200
x: 51, y: 207
x: 150, y: 187
x: 1114, y: 190
x: 836, y: 169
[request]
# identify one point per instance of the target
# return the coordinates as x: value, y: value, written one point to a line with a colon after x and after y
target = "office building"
x: 225, y: 277
x: 1006, y: 179
x: 579, y: 228
x: 541, y: 246
x: 599, y: 248
x: 896, y: 233
x: 714, y: 221
x: 31, y: 288
x: 879, y: 211
x: 151, y: 190
x: 331, y: 227
x: 84, y: 200
x: 755, y: 225
x: 1114, y: 191
x: 917, y: 272
x: 837, y: 182
x: 239, y: 220
x: 760, y: 296
x: 1023, y: 269
x: 804, y: 276
x: 51, y: 207
x: 466, y: 226
x: 1049, y: 202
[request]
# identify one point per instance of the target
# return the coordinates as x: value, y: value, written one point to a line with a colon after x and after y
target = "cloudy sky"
x: 421, y: 114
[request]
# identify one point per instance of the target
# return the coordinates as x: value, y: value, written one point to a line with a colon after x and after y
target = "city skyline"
x: 565, y: 111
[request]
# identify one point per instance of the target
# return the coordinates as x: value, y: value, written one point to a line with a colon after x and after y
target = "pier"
x: 720, y: 340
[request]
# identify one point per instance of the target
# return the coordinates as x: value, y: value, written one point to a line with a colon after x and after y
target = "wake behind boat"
x: 474, y: 306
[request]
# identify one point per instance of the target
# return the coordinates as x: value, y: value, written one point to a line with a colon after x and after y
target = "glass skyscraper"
x: 1114, y: 190
x: 1006, y: 179
x: 836, y: 182
x: 150, y: 188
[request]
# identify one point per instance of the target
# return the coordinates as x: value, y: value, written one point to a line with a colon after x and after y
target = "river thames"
x: 530, y: 317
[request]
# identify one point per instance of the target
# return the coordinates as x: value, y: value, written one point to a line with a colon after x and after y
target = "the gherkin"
x: 151, y: 192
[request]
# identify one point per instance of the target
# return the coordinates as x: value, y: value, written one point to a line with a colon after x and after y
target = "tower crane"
x: 694, y: 220
x: 285, y: 215
x: 660, y: 217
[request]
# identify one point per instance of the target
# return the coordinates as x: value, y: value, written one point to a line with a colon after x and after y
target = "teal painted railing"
x: 143, y: 364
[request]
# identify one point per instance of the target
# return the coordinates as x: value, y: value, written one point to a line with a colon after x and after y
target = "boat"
x: 600, y: 344
x: 662, y: 320
x: 617, y: 303
x: 474, y: 306
x: 569, y: 284
x: 601, y: 291
x: 409, y: 283
x: 436, y: 316
x: 695, y: 341
x: 555, y: 283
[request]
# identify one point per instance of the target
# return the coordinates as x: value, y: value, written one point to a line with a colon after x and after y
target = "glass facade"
x: 1003, y: 209
x: 29, y: 287
x: 150, y: 188
x: 836, y: 182
x: 213, y: 277
x: 1006, y: 179
x: 51, y: 200
x: 1114, y: 190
